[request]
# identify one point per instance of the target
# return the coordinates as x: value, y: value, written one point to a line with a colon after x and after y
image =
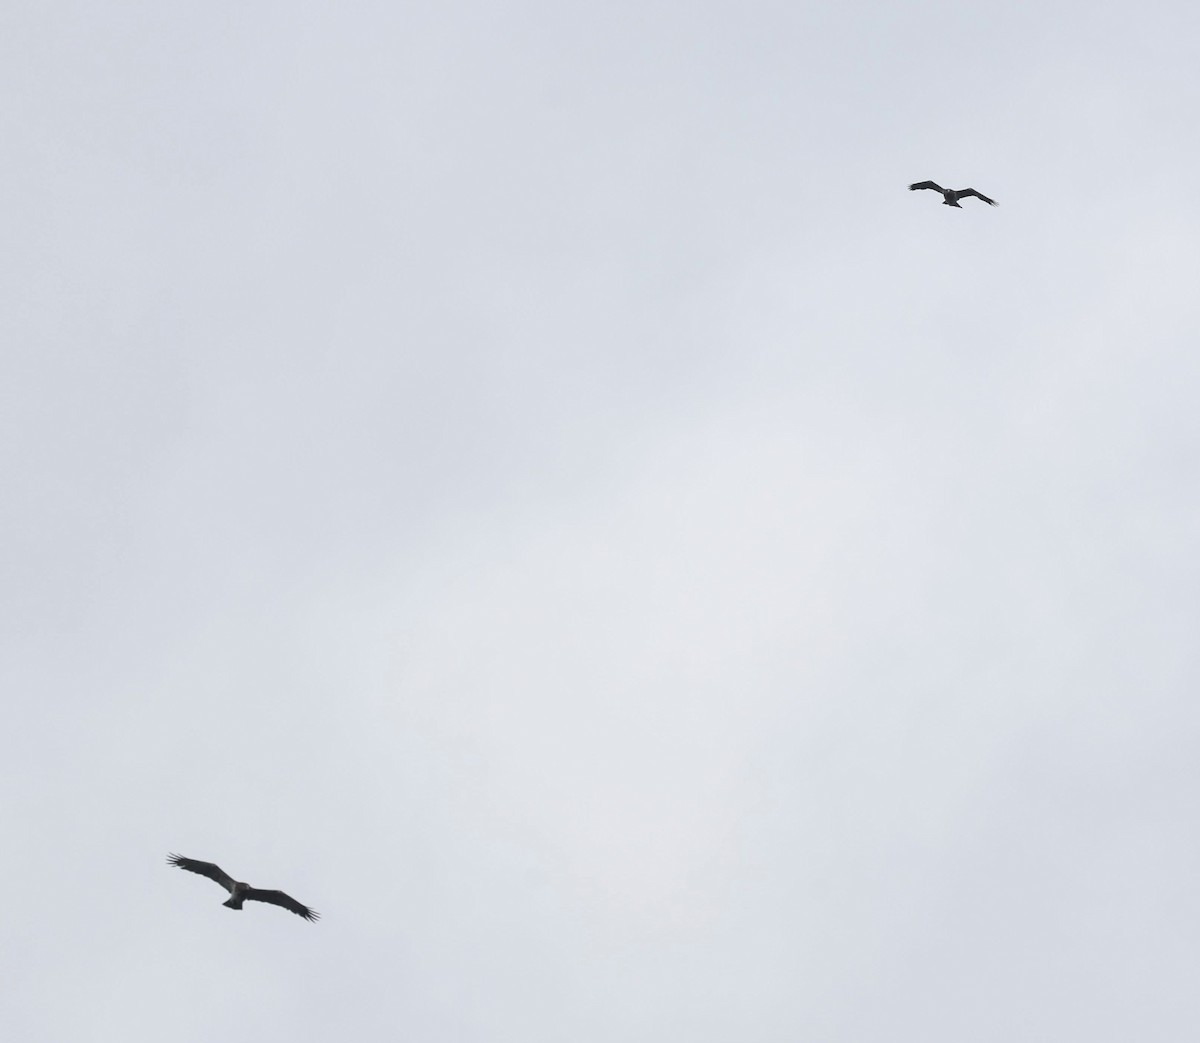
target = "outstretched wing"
x: 926, y: 184
x: 283, y: 901
x: 207, y: 869
x: 971, y: 192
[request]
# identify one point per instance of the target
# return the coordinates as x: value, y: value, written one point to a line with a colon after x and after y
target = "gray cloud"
x: 531, y: 483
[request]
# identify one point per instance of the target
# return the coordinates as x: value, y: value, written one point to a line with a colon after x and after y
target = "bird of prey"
x: 239, y: 892
x: 951, y: 196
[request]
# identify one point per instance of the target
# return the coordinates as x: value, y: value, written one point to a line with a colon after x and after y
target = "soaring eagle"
x: 239, y: 892
x: 951, y: 196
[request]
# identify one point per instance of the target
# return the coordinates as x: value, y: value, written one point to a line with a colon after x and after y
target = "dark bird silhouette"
x: 239, y: 892
x: 951, y: 196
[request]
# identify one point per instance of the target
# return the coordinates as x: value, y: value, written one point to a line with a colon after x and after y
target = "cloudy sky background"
x: 529, y: 481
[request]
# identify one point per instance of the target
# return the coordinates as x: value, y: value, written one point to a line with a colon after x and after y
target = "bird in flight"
x: 951, y: 196
x: 239, y: 892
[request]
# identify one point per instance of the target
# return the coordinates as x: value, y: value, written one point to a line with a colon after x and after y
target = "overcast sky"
x: 529, y: 481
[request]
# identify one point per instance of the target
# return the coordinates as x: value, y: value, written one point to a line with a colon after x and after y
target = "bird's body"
x: 951, y: 196
x: 239, y: 891
x: 237, y: 896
